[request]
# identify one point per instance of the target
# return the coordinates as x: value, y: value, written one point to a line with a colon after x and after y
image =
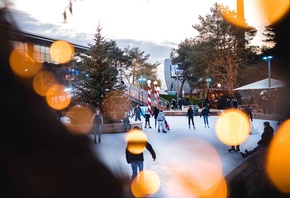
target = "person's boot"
x: 99, y: 140
x: 95, y: 141
x: 237, y: 148
x: 232, y: 149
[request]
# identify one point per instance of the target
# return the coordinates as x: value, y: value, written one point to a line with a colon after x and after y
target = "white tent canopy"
x: 263, y: 84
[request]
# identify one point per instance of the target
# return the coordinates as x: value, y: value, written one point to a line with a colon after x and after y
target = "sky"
x: 155, y: 26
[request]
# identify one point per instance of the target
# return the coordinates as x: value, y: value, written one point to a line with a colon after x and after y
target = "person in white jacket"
x: 161, y: 121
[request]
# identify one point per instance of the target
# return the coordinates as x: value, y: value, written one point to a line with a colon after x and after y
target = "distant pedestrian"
x: 137, y: 160
x: 147, y: 119
x: 205, y: 113
x: 190, y: 114
x: 195, y: 110
x: 265, y: 140
x: 127, y: 123
x: 155, y: 114
x: 97, y: 121
x: 137, y: 113
x: 248, y: 111
x: 161, y: 121
x: 180, y: 103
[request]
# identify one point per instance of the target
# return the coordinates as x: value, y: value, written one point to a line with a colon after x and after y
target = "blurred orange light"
x: 136, y: 141
x: 233, y: 127
x: 278, y: 158
x: 43, y: 81
x: 23, y: 65
x: 57, y: 97
x: 147, y: 183
x: 61, y: 51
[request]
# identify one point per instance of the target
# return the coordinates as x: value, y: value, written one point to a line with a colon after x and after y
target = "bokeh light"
x: 57, y: 97
x: 61, y: 51
x: 197, y: 178
x: 232, y: 127
x: 278, y: 158
x: 146, y: 183
x: 80, y: 116
x: 231, y: 17
x: 264, y: 11
x: 199, y: 174
x: 43, y: 81
x: 273, y: 10
x: 23, y: 64
x: 136, y: 141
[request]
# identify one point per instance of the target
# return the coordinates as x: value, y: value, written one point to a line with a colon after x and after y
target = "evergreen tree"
x: 221, y: 51
x: 99, y: 75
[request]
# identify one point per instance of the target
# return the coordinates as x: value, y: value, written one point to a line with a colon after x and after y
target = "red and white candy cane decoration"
x: 158, y: 90
x: 155, y: 90
x: 149, y: 96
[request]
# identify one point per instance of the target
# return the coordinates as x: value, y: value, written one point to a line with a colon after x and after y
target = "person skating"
x: 147, y: 119
x: 161, y: 121
x: 190, y: 114
x: 205, y: 113
x: 137, y: 160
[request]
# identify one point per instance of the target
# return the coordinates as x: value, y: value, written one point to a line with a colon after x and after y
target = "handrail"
x: 141, y: 96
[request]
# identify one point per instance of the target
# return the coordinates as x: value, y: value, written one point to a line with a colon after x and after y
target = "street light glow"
x: 268, y: 58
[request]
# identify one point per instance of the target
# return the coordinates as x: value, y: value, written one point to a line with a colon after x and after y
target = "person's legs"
x: 247, y: 153
x: 163, y: 126
x: 134, y: 166
x: 155, y: 122
x: 99, y: 129
x: 237, y: 148
x: 95, y: 133
x: 255, y: 149
x: 140, y: 165
x: 192, y: 122
x: 149, y: 123
x: 159, y: 125
x: 204, y: 120
x: 188, y: 121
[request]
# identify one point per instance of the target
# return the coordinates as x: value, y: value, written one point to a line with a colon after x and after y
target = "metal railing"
x: 141, y: 96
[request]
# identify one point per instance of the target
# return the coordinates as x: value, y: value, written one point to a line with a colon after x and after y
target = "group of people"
x: 137, y: 160
x: 191, y: 112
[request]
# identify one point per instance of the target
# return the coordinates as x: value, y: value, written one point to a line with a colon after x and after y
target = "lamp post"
x: 177, y: 85
x: 208, y: 80
x: 268, y: 58
x: 142, y: 96
x: 142, y: 80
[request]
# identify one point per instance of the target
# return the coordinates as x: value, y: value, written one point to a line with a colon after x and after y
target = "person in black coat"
x: 137, y: 160
x: 155, y: 114
x: 205, y: 113
x: 265, y: 140
x: 190, y: 114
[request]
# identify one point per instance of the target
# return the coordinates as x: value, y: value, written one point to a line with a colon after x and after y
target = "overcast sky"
x: 155, y: 26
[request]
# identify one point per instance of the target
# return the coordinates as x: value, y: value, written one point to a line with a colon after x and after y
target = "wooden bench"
x: 250, y: 178
x: 106, y: 128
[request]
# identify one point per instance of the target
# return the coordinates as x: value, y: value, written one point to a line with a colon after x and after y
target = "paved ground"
x: 179, y: 153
